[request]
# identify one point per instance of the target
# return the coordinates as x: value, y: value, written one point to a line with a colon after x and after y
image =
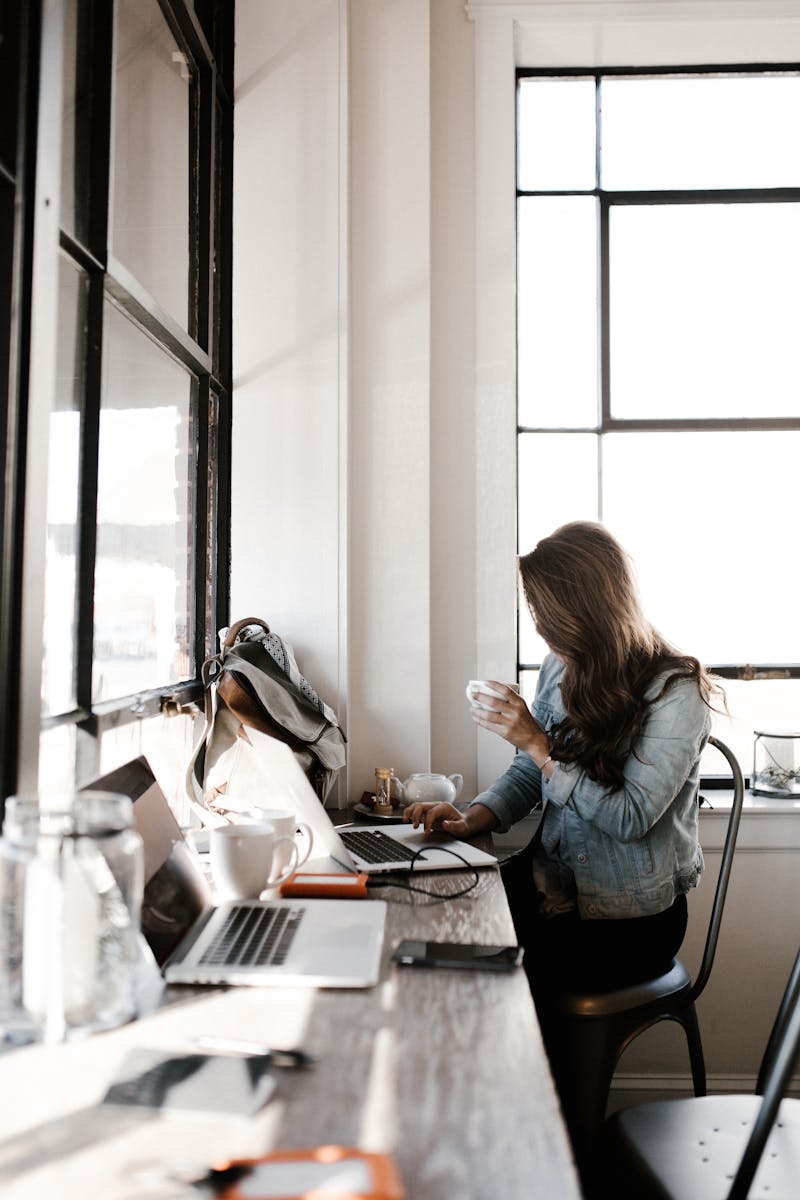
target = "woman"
x: 610, y: 749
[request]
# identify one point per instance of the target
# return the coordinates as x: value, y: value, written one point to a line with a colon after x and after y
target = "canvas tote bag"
x: 254, y: 682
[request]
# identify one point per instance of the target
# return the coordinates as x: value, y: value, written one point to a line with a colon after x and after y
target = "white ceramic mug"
x: 242, y: 858
x: 480, y: 685
x: 286, y: 825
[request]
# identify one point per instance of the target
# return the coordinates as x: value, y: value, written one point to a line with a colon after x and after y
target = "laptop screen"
x: 175, y: 888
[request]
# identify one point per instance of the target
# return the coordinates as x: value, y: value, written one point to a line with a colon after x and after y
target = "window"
x: 135, y: 568
x: 658, y: 236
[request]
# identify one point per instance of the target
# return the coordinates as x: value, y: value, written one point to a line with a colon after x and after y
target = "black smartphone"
x: 469, y: 955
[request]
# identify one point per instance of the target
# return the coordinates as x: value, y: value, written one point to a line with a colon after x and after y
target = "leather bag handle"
x: 236, y: 629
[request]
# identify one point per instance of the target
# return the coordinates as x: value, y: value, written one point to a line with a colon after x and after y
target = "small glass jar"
x: 776, y: 764
x: 71, y: 881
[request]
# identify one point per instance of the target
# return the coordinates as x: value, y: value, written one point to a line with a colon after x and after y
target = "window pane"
x: 58, y: 754
x: 719, y: 132
x: 557, y: 312
x: 150, y: 227
x: 753, y: 704
x: 557, y: 482
x: 63, y: 483
x: 556, y: 134
x: 532, y: 648
x: 710, y: 520
x: 167, y: 744
x: 527, y: 685
x: 717, y: 334
x: 144, y: 517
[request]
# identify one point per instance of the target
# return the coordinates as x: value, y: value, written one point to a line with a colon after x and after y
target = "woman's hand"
x: 441, y: 815
x: 509, y: 716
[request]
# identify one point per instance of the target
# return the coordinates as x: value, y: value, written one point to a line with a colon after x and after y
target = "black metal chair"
x: 594, y: 1028
x: 711, y: 1147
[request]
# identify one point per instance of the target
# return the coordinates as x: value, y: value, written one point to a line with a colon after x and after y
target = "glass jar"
x: 776, y: 764
x: 71, y: 880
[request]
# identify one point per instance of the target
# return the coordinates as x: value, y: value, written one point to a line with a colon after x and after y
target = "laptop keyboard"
x: 375, y: 847
x: 254, y: 935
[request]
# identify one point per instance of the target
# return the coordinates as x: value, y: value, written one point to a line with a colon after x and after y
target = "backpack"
x: 255, y: 682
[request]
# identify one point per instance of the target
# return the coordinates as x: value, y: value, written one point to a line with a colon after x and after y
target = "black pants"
x: 566, y: 953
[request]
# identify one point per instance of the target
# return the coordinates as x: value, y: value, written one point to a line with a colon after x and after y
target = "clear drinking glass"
x: 71, y: 880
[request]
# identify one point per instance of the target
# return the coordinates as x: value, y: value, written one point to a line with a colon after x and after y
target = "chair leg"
x: 688, y: 1020
x: 583, y: 1055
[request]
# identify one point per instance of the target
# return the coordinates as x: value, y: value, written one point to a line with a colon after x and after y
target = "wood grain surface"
x: 443, y: 1068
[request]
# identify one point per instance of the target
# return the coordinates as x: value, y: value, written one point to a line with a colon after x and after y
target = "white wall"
x: 289, y: 289
x: 390, y: 396
x: 355, y: 429
x: 452, y: 424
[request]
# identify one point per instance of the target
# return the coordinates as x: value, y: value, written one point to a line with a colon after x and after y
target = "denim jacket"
x: 634, y: 850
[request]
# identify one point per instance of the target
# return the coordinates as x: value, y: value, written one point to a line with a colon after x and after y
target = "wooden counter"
x: 444, y: 1069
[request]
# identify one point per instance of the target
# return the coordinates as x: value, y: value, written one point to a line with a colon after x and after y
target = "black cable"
x: 409, y: 887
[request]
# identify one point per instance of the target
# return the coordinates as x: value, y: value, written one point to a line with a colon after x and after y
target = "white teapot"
x: 424, y: 786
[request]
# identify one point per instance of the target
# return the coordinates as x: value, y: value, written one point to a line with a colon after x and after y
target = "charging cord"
x: 419, y: 855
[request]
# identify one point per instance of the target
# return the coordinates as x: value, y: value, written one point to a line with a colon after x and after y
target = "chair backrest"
x: 725, y: 867
x: 777, y: 1067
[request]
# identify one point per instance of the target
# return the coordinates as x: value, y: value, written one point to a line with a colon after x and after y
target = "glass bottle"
x: 71, y: 881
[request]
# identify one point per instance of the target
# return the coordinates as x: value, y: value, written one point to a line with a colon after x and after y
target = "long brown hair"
x: 581, y: 589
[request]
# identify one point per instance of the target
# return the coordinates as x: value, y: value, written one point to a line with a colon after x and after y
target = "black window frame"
x: 607, y: 199
x: 204, y: 31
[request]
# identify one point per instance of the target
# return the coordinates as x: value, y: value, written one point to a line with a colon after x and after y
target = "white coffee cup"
x: 242, y: 858
x: 480, y: 685
x: 286, y: 825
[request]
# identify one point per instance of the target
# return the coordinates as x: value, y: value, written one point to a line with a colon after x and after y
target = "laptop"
x: 289, y: 943
x: 280, y: 782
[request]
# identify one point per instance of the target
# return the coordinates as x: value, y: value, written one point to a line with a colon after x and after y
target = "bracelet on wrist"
x: 549, y: 759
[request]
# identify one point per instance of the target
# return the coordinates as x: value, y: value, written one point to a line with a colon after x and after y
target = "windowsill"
x: 768, y: 824
x: 771, y: 806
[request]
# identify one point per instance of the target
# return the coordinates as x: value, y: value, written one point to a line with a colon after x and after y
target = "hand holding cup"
x: 499, y: 708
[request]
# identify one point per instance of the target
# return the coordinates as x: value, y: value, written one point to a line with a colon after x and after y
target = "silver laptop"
x: 372, y: 848
x: 296, y: 943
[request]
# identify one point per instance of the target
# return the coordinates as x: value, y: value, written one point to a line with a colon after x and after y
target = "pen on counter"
x: 279, y: 1058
